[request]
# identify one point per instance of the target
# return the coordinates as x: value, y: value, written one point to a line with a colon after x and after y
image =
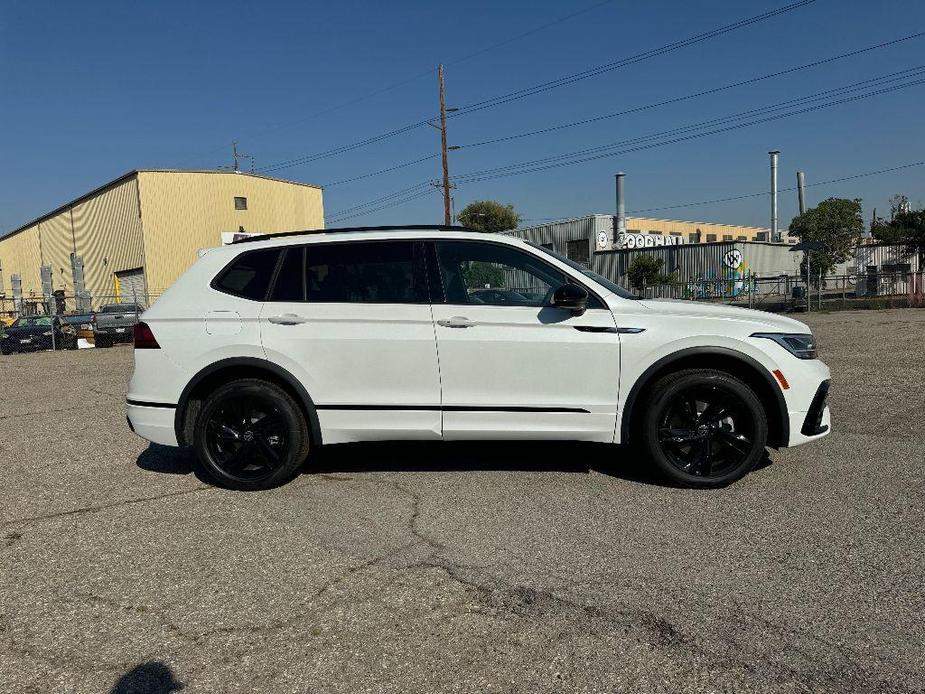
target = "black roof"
x: 348, y: 230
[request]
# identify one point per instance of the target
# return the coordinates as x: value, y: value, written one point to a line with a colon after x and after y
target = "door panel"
x: 512, y: 367
x: 370, y: 366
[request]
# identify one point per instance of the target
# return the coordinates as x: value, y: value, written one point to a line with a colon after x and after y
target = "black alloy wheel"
x: 251, y: 435
x: 706, y: 428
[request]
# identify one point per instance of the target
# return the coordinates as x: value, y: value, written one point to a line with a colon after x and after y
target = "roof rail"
x: 350, y: 230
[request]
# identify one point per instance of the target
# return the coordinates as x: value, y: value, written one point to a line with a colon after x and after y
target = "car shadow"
x: 153, y: 677
x: 439, y: 456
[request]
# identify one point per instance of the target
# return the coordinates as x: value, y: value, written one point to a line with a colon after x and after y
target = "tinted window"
x: 368, y: 272
x: 249, y: 276
x: 612, y: 286
x: 289, y: 284
x: 487, y: 273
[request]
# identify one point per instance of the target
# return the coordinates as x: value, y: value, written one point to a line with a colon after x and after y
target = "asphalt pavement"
x: 464, y: 568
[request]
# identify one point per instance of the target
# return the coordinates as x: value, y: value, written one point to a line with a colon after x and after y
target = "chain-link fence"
x: 791, y: 293
x: 73, y: 321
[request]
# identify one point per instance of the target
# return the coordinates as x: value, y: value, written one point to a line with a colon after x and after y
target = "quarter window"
x: 249, y: 276
x: 366, y: 272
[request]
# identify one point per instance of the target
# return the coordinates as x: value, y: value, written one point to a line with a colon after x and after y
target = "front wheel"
x: 250, y: 435
x: 704, y: 428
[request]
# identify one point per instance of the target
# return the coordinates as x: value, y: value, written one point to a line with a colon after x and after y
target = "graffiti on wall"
x: 730, y: 279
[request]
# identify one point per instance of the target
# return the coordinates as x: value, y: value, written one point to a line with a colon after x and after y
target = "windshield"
x: 612, y: 286
x: 33, y: 321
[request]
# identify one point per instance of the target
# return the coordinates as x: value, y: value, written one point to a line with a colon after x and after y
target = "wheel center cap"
x: 248, y: 435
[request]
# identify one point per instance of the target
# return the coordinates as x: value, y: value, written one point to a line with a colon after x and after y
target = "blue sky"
x: 89, y: 91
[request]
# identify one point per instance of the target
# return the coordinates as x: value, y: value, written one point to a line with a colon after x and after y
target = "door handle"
x: 287, y: 319
x: 456, y: 322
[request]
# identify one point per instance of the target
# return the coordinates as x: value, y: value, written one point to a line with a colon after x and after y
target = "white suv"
x: 274, y: 345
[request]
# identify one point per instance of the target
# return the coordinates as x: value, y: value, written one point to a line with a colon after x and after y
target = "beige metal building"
x: 695, y: 232
x: 137, y: 234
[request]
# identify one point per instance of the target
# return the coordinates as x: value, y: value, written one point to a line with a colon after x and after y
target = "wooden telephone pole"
x: 447, y: 212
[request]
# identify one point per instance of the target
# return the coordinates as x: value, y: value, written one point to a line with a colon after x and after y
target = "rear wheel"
x: 102, y: 341
x: 251, y: 434
x: 704, y: 428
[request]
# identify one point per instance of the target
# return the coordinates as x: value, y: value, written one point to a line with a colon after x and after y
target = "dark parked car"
x: 34, y: 333
x: 83, y: 323
x: 116, y: 323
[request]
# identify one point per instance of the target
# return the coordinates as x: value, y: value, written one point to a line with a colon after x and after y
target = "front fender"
x: 643, y: 359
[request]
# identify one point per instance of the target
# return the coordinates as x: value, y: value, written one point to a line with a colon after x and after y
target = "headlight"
x: 800, y: 345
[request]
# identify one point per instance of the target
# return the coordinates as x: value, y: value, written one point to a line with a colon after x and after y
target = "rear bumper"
x: 152, y: 421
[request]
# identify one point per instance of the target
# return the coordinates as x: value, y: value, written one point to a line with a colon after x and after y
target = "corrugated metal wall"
x: 186, y: 211
x: 104, y: 229
x: 183, y: 212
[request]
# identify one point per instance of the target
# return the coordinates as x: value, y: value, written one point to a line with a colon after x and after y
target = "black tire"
x: 250, y: 434
x: 101, y: 341
x: 703, y: 428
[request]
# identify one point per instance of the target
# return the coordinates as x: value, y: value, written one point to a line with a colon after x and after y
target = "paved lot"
x: 464, y: 568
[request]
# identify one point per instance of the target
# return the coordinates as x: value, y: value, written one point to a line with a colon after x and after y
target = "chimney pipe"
x: 775, y: 234
x: 619, y: 227
x: 801, y: 191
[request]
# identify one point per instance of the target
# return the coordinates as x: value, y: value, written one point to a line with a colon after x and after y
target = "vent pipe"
x: 619, y: 227
x: 775, y: 233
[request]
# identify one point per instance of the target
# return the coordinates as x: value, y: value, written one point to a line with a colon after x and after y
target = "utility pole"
x: 447, y: 211
x: 801, y: 191
x: 236, y: 155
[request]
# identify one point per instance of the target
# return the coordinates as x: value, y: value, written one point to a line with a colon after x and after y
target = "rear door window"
x: 290, y: 280
x: 249, y: 275
x: 366, y: 272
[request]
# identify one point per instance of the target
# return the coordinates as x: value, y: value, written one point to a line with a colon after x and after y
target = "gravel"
x: 464, y: 568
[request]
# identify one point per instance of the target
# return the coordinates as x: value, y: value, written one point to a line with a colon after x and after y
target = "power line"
x: 654, y: 140
x: 380, y: 171
x: 631, y: 60
x: 425, y: 73
x: 340, y: 217
x: 694, y: 95
x: 547, y: 86
x: 576, y: 157
x: 779, y: 190
x: 389, y: 196
x: 645, y: 107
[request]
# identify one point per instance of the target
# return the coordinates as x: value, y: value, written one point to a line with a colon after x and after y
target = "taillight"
x: 144, y: 338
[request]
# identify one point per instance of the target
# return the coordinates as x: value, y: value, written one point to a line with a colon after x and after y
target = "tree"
x: 837, y: 224
x: 481, y: 274
x: 907, y: 228
x: 646, y: 270
x: 489, y: 216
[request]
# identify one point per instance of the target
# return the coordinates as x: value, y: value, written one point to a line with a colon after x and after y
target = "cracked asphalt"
x: 464, y: 568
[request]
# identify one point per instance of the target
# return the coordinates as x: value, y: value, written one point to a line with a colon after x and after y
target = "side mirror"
x: 572, y: 298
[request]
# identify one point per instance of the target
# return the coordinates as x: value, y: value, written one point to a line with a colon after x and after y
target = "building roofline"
x: 648, y: 219
x: 134, y: 172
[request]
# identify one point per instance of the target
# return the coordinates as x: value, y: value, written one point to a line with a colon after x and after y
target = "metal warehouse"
x: 579, y: 238
x: 710, y: 257
x: 132, y: 237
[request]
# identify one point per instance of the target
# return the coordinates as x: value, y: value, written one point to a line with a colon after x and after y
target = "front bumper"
x: 812, y: 420
x: 153, y: 422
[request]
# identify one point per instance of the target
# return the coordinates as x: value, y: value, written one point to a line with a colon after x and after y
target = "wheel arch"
x: 733, y: 362
x: 232, y: 369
